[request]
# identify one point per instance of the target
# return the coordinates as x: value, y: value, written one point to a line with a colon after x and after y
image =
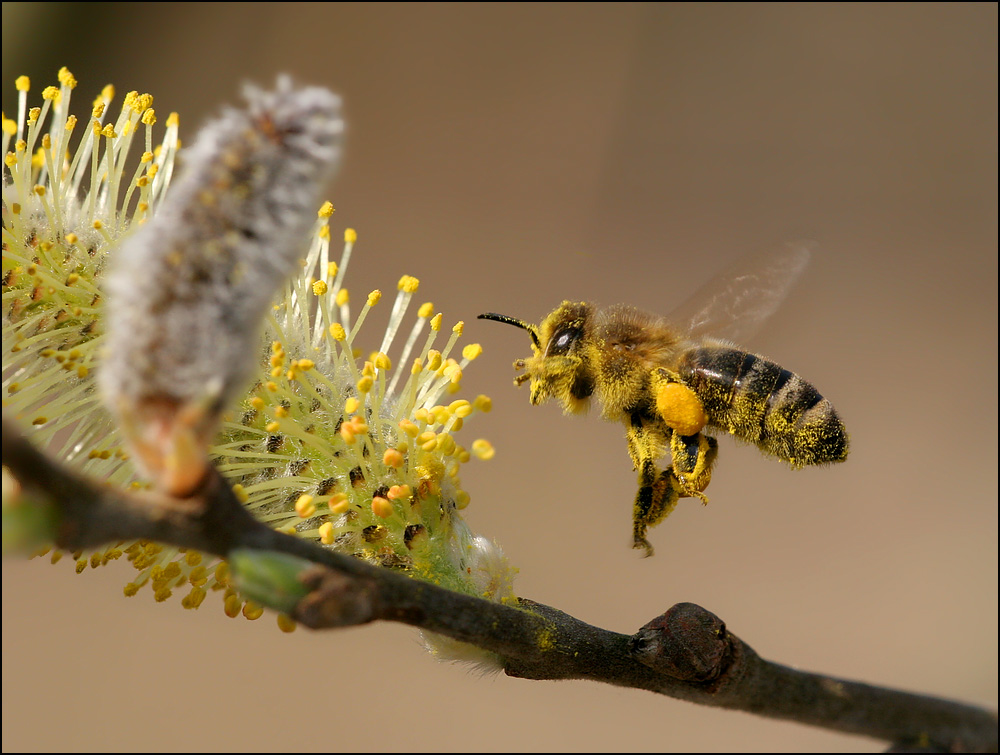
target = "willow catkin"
x: 187, y: 292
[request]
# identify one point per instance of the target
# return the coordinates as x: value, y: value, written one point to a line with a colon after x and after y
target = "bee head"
x: 559, y: 367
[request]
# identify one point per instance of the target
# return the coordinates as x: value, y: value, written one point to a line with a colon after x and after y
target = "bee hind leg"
x: 657, y: 497
x: 693, y: 457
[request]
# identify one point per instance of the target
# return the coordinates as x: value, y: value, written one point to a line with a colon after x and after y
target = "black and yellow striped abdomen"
x: 762, y: 403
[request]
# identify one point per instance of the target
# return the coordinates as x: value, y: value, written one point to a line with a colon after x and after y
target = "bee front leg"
x: 658, y: 491
x: 693, y: 457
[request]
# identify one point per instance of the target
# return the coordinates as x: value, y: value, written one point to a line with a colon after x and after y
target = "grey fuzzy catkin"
x: 187, y: 292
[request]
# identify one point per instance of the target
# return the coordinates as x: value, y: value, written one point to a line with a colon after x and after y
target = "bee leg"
x: 693, y: 457
x: 658, y: 491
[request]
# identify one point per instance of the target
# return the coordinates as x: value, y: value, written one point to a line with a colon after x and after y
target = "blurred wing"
x: 735, y: 303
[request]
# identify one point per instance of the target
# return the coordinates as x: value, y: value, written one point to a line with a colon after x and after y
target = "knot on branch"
x: 337, y: 600
x: 687, y: 643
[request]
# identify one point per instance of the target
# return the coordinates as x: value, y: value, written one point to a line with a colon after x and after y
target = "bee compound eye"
x: 563, y: 341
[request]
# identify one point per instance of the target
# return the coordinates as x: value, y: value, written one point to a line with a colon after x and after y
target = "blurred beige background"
x: 513, y: 156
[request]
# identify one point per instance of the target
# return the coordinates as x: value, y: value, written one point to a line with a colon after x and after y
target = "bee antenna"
x: 532, y: 331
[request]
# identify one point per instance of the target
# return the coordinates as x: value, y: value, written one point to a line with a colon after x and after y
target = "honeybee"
x: 672, y: 385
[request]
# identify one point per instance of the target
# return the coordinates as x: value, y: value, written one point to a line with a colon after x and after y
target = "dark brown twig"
x: 686, y: 653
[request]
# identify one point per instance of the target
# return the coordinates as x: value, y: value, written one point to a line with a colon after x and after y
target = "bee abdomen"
x: 762, y: 403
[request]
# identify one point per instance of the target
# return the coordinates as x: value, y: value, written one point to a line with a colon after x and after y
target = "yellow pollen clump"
x: 433, y: 360
x: 350, y: 236
x: 461, y: 499
x: 342, y: 297
x: 408, y: 284
x: 382, y: 362
x: 483, y: 403
x: 436, y: 322
x: 409, y: 428
x: 232, y: 605
x: 337, y: 332
x: 325, y: 210
x: 373, y: 297
x: 471, y: 351
x: 252, y: 611
x: 22, y: 83
x: 281, y: 412
x: 393, y: 458
x: 351, y: 405
x: 320, y: 288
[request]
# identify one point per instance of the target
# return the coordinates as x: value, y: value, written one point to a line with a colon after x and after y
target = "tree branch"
x: 686, y: 653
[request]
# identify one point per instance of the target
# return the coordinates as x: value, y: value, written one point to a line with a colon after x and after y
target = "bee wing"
x: 736, y: 302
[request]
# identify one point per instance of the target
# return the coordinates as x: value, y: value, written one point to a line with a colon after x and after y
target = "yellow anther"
x: 271, y: 386
x: 393, y: 458
x: 149, y: 118
x: 173, y: 120
x: 483, y: 403
x: 461, y: 499
x: 417, y: 367
x: 483, y: 449
x: 433, y: 360
x: 40, y: 190
x: 382, y: 362
x: 342, y: 297
x: 454, y: 374
x: 436, y: 322
x: 273, y: 427
x: 426, y: 310
x: 257, y: 403
x: 381, y: 507
x: 471, y: 351
x: 222, y: 573
x: 232, y: 605
x: 324, y: 232
x: 339, y: 503
x: 408, y: 284
x: 331, y: 269
x: 351, y: 405
x: 460, y: 408
x: 400, y: 493
x: 326, y: 533
x: 286, y: 623
x: 325, y: 210
x: 446, y: 444
x: 51, y: 93
x: 304, y: 506
x: 350, y: 236
x: 305, y: 364
x: 281, y: 412
x: 320, y: 288
x: 347, y: 432
x: 109, y: 132
x: 425, y: 436
x: 22, y: 83
x: 409, y: 428
x: 462, y: 456
x: 373, y: 297
x: 458, y: 327
x: 9, y: 126
x: 365, y: 384
x: 194, y: 598
x: 252, y: 611
x: 39, y: 420
x: 71, y: 123
x: 441, y: 414
x: 422, y: 415
x: 192, y: 558
x: 33, y: 114
x: 337, y: 332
